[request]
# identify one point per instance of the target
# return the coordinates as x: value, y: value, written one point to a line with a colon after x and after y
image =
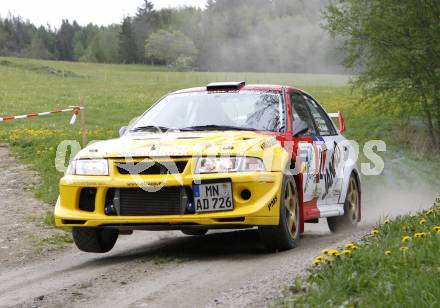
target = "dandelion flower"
x: 387, y: 252
x: 403, y: 248
x: 346, y: 252
x: 406, y: 239
x: 420, y: 235
x: 422, y: 221
x: 386, y: 222
x: 375, y: 232
x: 316, y: 262
x: 333, y: 253
x: 321, y: 258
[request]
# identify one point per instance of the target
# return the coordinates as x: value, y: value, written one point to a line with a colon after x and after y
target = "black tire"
x: 349, y: 220
x: 286, y: 235
x: 94, y: 239
x: 194, y: 232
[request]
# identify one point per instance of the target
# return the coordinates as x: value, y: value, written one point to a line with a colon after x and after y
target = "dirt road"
x: 167, y: 269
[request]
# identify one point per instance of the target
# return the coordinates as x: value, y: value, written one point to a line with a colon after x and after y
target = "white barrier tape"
x: 76, y: 110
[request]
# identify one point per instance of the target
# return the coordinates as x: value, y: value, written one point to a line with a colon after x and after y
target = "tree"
x: 38, y: 48
x: 396, y: 44
x: 64, y: 40
x: 171, y: 48
x: 145, y: 22
x: 127, y: 43
x: 103, y: 46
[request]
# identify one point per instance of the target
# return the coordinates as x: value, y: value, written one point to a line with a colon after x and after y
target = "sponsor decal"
x: 272, y: 203
x: 330, y: 172
x: 154, y: 153
x: 146, y: 184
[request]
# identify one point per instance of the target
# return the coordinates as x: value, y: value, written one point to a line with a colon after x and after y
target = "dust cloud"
x: 401, y: 189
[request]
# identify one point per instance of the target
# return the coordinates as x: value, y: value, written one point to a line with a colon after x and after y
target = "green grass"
x: 115, y: 94
x: 368, y: 277
x: 50, y: 243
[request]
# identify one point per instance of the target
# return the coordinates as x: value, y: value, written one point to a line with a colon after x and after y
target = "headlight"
x: 88, y: 167
x: 228, y: 164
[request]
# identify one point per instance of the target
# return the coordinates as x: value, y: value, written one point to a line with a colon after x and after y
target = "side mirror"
x: 122, y: 131
x: 341, y: 122
x: 299, y: 127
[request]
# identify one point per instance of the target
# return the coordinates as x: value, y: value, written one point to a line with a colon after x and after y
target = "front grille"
x: 144, y: 168
x: 138, y: 202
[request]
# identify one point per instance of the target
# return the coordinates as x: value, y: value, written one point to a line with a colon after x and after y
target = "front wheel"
x: 94, y: 239
x: 286, y: 234
x: 351, y: 209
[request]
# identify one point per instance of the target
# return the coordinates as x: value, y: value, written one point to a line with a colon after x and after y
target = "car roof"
x: 260, y: 87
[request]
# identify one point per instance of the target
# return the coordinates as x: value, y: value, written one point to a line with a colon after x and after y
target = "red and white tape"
x: 75, y: 109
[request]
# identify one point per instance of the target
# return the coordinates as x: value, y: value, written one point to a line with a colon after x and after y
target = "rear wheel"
x: 94, y: 239
x: 286, y: 234
x: 351, y: 209
x: 195, y: 232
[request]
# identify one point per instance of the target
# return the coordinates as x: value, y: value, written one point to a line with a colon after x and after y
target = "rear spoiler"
x: 341, y: 122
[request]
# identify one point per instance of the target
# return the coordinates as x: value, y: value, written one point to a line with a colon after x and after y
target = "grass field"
x: 114, y: 94
x: 396, y: 266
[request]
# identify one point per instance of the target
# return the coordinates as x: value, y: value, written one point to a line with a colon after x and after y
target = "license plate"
x: 212, y: 197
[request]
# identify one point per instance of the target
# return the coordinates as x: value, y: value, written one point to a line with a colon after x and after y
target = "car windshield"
x: 243, y: 110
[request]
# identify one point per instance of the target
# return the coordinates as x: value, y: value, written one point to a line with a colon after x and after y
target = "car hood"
x: 182, y: 144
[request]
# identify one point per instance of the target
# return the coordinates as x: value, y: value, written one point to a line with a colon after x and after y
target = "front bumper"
x: 261, y: 209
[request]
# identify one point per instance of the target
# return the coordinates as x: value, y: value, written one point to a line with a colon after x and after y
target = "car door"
x: 307, y: 154
x: 331, y: 159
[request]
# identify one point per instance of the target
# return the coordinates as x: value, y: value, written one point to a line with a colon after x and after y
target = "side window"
x: 300, y: 114
x: 322, y: 121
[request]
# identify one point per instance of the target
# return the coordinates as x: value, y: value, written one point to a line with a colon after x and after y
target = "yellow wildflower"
x: 420, y: 234
x: 429, y: 212
x: 333, y: 252
x: 386, y: 222
x: 387, y: 252
x: 349, y: 246
x: 403, y: 248
x: 422, y: 221
x: 316, y: 262
x: 436, y: 228
x: 406, y: 238
x: 375, y: 232
x: 325, y: 251
x: 321, y: 258
x: 346, y: 252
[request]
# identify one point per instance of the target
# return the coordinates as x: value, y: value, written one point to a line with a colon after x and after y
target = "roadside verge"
x: 396, y: 265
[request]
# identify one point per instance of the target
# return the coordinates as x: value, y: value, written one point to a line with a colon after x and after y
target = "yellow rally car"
x: 225, y: 156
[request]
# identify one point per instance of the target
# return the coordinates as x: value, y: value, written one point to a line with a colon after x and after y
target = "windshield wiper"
x: 216, y: 127
x: 151, y: 128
